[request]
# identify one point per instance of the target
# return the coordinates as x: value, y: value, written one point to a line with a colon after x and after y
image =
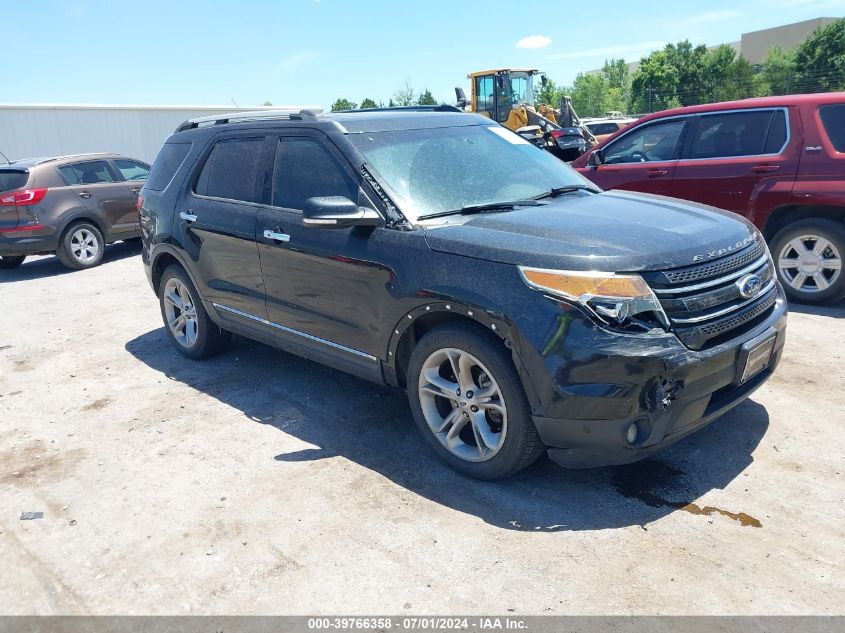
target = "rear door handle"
x: 762, y: 169
x: 84, y: 194
x: 653, y: 173
x: 275, y: 235
x: 187, y: 216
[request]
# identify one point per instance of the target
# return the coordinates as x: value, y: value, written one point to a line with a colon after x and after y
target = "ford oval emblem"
x: 749, y: 285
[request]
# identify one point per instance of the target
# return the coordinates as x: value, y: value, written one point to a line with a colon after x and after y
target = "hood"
x: 614, y: 231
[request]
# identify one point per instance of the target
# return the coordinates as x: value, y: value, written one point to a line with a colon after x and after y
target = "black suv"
x: 68, y: 205
x: 522, y: 309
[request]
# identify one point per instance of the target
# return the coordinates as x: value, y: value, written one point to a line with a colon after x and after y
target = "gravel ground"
x: 258, y: 482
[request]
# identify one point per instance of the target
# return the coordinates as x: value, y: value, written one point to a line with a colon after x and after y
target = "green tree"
x: 590, y: 95
x: 688, y: 62
x: 820, y: 60
x: 655, y: 83
x: 368, y: 103
x: 405, y: 95
x: 777, y: 73
x: 715, y: 72
x: 550, y: 94
x: 391, y: 104
x: 267, y: 103
x: 426, y: 98
x: 343, y: 104
x: 740, y: 78
x: 618, y: 77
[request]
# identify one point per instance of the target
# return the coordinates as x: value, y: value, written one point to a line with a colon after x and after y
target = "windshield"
x: 435, y: 170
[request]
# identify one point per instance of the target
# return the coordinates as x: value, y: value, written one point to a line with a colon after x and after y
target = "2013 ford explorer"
x: 521, y: 308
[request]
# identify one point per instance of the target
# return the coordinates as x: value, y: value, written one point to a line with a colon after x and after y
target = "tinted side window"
x: 777, y: 134
x: 731, y: 134
x: 833, y: 119
x: 649, y: 143
x: 131, y: 170
x: 602, y: 128
x: 12, y: 179
x: 231, y: 170
x: 88, y: 173
x: 305, y: 169
x: 170, y: 158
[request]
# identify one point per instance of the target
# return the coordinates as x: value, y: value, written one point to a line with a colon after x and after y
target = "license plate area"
x: 754, y: 357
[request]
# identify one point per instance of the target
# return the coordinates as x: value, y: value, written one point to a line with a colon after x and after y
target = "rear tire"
x: 808, y: 257
x: 82, y: 246
x: 469, y: 403
x: 187, y: 323
x: 7, y: 262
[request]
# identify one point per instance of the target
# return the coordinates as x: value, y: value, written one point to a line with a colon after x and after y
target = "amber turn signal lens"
x: 577, y: 285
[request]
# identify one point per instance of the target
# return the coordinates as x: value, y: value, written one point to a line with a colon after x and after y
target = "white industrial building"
x: 29, y: 131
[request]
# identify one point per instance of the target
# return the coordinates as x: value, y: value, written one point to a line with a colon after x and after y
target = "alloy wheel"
x: 180, y: 312
x: 463, y: 405
x: 810, y: 263
x: 84, y: 246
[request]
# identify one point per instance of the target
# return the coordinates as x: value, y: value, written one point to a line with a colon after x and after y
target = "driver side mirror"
x: 337, y: 212
x: 595, y: 159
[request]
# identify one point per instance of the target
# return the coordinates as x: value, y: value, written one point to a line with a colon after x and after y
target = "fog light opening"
x: 631, y: 434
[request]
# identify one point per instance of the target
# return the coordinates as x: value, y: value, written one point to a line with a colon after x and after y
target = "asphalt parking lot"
x: 258, y: 482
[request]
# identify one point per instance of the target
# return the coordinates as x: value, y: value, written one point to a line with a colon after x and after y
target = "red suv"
x: 778, y: 161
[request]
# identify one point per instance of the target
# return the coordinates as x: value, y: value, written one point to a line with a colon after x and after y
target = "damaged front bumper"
x: 588, y: 404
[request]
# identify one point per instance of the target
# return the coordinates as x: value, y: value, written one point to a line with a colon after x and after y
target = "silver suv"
x: 69, y: 205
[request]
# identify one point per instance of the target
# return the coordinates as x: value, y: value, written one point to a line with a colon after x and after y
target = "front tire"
x: 82, y: 246
x: 188, y: 325
x: 808, y: 256
x: 7, y: 262
x: 469, y: 404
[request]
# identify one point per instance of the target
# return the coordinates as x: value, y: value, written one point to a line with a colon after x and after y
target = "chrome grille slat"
x: 715, y: 315
x: 714, y: 308
x: 715, y: 268
x: 714, y: 282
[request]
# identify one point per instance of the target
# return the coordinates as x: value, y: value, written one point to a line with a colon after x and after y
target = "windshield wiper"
x: 468, y: 209
x: 556, y: 191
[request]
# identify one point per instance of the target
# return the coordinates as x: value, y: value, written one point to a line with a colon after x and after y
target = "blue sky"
x: 313, y: 51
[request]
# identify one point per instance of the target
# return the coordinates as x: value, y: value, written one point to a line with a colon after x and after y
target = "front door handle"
x: 187, y: 216
x: 276, y: 236
x: 135, y: 189
x: 762, y: 169
x: 84, y: 194
x: 654, y: 173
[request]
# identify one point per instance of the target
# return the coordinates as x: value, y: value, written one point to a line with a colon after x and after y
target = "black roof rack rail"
x: 251, y: 115
x: 443, y: 107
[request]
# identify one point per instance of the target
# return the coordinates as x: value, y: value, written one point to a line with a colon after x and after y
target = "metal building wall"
x: 28, y: 131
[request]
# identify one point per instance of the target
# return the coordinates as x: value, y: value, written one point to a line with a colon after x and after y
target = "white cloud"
x: 534, y: 41
x: 631, y: 50
x: 713, y: 16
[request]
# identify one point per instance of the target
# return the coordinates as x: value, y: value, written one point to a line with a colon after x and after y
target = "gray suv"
x: 69, y: 205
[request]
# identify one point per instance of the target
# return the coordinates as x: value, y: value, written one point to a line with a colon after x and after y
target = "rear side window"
x: 166, y: 164
x: 602, y: 128
x: 734, y: 134
x: 833, y: 119
x: 131, y: 170
x: 12, y: 179
x: 231, y: 170
x: 305, y: 169
x: 89, y: 173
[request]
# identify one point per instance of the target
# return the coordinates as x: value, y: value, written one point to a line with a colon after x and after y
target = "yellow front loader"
x: 506, y: 95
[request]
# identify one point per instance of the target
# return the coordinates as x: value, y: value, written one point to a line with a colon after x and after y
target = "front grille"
x: 704, y: 303
x: 723, y: 266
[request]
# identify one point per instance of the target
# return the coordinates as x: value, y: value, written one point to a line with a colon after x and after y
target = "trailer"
x: 35, y: 130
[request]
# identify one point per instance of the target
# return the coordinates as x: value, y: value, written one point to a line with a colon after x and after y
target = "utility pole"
x: 650, y: 91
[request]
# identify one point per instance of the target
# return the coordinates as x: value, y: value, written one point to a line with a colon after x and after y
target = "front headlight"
x: 615, y: 299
